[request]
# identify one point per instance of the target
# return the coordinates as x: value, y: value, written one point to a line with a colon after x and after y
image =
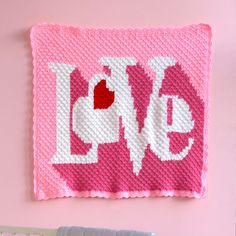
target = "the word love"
x: 96, y: 123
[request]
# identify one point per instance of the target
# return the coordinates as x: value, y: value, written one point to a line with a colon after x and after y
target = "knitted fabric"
x: 120, y: 112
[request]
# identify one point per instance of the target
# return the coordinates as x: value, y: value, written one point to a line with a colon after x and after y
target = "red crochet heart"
x: 103, y: 97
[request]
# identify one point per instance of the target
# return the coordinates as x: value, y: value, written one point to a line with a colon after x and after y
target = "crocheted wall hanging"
x: 120, y: 112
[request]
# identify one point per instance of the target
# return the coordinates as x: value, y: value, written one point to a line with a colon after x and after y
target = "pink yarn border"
x: 130, y: 194
x: 206, y: 117
x: 122, y: 195
x: 34, y: 112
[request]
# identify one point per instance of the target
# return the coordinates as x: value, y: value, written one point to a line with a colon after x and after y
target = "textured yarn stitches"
x: 120, y: 113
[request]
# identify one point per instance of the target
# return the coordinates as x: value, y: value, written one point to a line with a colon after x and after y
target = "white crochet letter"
x: 95, y: 126
x: 118, y: 81
x: 63, y: 155
x: 156, y: 127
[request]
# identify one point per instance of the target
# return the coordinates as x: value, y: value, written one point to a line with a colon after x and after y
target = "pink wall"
x: 214, y: 215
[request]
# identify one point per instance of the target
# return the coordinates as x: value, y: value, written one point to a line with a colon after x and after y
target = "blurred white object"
x: 11, y: 231
x: 68, y: 231
x: 83, y: 231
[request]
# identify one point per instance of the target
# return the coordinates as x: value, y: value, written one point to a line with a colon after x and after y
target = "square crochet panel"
x: 120, y: 113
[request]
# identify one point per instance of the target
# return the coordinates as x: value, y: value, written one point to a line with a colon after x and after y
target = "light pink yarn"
x: 112, y: 176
